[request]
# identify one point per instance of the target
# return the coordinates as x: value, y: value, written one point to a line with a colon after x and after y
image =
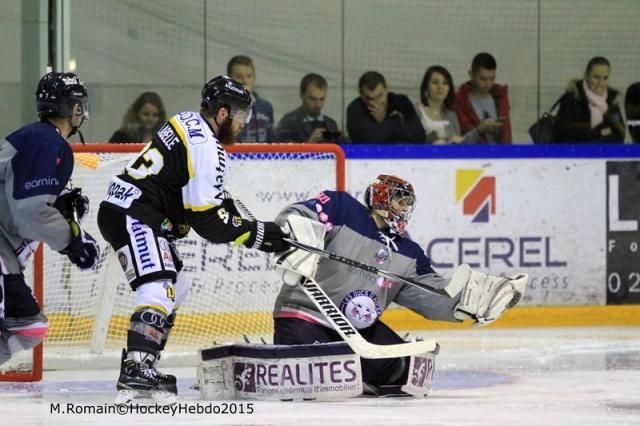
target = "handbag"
x: 542, y: 130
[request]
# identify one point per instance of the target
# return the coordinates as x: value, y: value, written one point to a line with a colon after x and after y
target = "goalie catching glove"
x: 83, y: 250
x: 485, y: 297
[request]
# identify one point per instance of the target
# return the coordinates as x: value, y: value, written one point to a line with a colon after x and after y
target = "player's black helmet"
x: 223, y: 91
x: 58, y: 93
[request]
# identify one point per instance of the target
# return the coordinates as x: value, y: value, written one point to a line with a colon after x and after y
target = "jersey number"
x: 149, y: 162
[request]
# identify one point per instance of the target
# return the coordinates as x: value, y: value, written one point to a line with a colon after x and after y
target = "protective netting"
x: 232, y: 289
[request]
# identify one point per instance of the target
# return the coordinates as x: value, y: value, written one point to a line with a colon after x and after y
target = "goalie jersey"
x: 180, y: 177
x: 36, y: 163
x: 360, y: 295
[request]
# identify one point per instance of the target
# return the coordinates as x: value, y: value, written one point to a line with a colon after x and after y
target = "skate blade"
x: 164, y: 398
x: 129, y: 395
x: 126, y: 397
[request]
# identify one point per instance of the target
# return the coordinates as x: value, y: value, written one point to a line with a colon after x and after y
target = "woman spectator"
x: 142, y: 120
x: 589, y: 110
x: 435, y: 108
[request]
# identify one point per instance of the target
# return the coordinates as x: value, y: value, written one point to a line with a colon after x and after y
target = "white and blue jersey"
x: 36, y: 163
x: 362, y: 296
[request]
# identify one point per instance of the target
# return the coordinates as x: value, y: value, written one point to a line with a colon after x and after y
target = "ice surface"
x: 553, y: 376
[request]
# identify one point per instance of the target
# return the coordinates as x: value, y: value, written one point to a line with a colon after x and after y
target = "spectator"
x: 435, y: 108
x: 482, y: 97
x: 589, y: 110
x: 632, y: 109
x: 260, y: 128
x: 142, y: 120
x: 380, y: 116
x: 307, y: 123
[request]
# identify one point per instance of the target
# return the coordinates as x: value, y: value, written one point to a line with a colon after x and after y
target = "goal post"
x: 232, y: 289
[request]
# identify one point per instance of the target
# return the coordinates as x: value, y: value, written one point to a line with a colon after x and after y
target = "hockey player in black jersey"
x: 36, y: 206
x: 176, y: 183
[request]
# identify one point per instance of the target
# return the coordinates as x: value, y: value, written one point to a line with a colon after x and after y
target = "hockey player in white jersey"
x: 375, y: 235
x: 175, y: 184
x: 36, y: 206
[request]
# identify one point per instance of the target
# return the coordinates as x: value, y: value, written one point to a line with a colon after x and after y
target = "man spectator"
x: 307, y: 123
x: 482, y: 105
x: 380, y: 116
x: 260, y: 128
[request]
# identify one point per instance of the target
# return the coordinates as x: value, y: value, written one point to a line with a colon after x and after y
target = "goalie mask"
x: 393, y: 199
x: 58, y: 94
x: 222, y: 91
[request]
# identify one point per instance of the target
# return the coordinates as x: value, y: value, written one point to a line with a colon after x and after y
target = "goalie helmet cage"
x: 232, y: 289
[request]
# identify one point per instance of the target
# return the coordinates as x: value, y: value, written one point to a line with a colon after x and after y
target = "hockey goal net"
x: 232, y: 291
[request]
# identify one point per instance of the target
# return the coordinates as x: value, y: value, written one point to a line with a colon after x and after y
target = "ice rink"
x: 553, y: 376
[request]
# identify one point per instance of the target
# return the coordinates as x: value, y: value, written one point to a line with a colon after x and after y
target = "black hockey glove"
x: 70, y: 200
x: 267, y: 237
x: 83, y: 250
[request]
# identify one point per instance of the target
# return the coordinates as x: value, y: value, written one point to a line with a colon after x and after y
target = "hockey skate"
x: 140, y: 382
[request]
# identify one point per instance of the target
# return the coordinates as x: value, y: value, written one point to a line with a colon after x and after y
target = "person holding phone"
x: 482, y: 105
x: 435, y: 108
x: 307, y: 123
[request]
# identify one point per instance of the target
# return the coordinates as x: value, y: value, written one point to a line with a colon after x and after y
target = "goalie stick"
x: 369, y: 268
x: 446, y: 291
x: 341, y: 324
x: 351, y: 335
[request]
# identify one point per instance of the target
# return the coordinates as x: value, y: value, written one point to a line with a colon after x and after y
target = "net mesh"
x: 232, y: 289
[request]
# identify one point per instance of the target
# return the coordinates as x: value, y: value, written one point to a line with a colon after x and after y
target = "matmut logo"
x: 477, y: 192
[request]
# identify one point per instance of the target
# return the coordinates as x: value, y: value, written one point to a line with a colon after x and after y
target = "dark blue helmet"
x: 58, y: 94
x: 223, y: 91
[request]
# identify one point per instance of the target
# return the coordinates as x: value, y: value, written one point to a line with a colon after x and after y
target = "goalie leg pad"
x: 320, y: 371
x: 420, y: 378
x: 295, y: 264
x: 486, y: 297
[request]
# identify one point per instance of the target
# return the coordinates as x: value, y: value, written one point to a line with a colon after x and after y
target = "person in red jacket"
x: 483, y: 106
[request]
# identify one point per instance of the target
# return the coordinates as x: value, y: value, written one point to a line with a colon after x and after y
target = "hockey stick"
x: 351, y: 262
x: 351, y: 335
x: 368, y: 268
x: 341, y: 324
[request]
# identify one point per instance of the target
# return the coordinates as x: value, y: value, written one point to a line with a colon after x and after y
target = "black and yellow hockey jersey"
x: 180, y: 176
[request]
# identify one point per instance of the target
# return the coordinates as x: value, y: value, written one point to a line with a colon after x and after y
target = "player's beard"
x: 225, y: 134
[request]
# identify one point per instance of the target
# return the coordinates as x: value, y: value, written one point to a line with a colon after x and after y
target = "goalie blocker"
x: 323, y: 371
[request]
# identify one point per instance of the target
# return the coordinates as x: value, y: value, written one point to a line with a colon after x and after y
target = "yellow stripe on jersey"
x: 185, y: 142
x: 158, y: 308
x: 198, y: 208
x: 242, y: 238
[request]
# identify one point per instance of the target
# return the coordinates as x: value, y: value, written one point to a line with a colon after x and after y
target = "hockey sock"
x: 144, y: 338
